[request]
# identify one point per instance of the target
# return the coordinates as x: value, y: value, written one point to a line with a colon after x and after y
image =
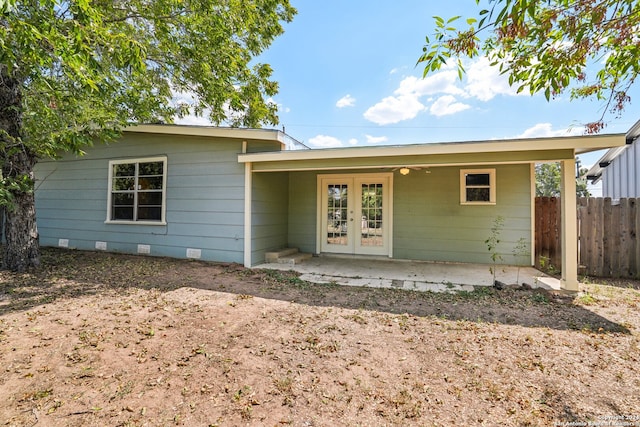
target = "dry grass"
x: 104, y: 339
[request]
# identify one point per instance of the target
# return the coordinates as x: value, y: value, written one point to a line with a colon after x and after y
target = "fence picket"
x: 608, y: 235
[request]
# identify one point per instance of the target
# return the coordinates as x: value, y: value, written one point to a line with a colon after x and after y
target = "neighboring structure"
x: 234, y: 194
x: 619, y: 168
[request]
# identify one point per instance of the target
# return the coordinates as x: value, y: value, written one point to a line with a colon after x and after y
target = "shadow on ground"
x: 70, y: 274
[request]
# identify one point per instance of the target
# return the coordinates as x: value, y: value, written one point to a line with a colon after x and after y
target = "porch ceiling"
x: 413, y: 160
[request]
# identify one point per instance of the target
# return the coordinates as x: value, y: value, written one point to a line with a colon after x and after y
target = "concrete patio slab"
x: 412, y: 275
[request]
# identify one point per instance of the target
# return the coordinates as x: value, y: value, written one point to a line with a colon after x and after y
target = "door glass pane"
x: 371, y: 221
x: 337, y: 217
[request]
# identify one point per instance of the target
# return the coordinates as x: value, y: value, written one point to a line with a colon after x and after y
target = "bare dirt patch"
x: 105, y: 339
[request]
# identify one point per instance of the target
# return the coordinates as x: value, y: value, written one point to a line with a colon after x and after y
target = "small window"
x: 137, y: 190
x: 478, y: 186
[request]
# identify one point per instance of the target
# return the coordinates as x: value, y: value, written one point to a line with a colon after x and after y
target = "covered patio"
x: 436, y: 203
x: 382, y: 272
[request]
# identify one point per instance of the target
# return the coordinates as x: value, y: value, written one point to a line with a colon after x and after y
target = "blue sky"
x: 348, y: 77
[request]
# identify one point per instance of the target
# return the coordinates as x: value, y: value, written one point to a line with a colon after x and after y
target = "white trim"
x: 319, y: 192
x: 579, y: 144
x: 121, y: 222
x: 397, y: 166
x: 568, y: 215
x: 533, y: 213
x: 463, y: 186
x: 210, y: 131
x: 163, y: 220
x: 248, y: 182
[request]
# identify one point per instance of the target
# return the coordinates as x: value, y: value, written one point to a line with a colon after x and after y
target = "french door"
x: 355, y: 214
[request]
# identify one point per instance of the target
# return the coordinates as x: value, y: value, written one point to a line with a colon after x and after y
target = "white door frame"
x: 356, y: 179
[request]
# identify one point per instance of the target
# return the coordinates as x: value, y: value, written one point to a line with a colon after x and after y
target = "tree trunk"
x: 22, y: 250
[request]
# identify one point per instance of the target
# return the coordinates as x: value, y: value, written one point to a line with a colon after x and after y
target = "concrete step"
x: 274, y: 256
x: 294, y: 259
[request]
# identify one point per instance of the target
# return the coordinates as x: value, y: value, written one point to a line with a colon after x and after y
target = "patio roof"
x: 434, y: 154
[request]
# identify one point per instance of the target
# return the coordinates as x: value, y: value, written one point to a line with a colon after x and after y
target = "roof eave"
x: 210, y: 131
x: 580, y: 145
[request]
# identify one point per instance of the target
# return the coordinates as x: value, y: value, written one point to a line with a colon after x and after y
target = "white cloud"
x: 482, y: 83
x: 281, y: 107
x: 394, y: 109
x: 442, y: 82
x: 353, y: 141
x: 325, y: 141
x: 485, y: 82
x: 446, y: 105
x: 376, y: 139
x: 397, y: 70
x: 193, y: 120
x: 346, y: 101
x: 545, y: 130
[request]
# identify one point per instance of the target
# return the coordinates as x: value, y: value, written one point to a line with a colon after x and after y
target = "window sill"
x: 136, y: 222
x: 478, y: 203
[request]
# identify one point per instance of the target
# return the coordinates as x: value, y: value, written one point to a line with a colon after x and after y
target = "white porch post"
x: 569, y: 236
x: 247, y: 214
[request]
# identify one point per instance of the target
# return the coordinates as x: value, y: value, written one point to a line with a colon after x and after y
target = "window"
x: 137, y: 190
x: 478, y: 186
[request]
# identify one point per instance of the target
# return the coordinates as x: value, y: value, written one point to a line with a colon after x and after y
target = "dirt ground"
x: 105, y: 339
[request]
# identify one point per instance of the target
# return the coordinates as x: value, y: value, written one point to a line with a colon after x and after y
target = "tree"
x: 546, y: 46
x: 548, y: 180
x: 74, y: 72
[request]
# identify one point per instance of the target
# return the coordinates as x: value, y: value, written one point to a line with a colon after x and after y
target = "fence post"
x: 634, y: 250
x: 624, y: 243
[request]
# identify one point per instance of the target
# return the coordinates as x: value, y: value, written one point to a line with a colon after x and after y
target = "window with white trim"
x: 137, y: 190
x: 478, y: 186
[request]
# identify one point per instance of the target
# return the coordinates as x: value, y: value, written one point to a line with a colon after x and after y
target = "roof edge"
x: 580, y: 144
x: 594, y: 174
x: 213, y: 131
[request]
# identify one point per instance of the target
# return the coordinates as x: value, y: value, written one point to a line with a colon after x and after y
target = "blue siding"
x: 205, y: 198
x: 270, y: 214
x: 303, y: 211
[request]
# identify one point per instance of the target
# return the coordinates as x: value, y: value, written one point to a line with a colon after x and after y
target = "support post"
x: 248, y: 182
x: 569, y: 238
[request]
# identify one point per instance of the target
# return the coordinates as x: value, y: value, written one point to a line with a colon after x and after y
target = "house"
x: 233, y: 195
x: 619, y: 168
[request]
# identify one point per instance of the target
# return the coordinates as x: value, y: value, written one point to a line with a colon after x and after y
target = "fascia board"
x: 578, y: 144
x: 210, y: 131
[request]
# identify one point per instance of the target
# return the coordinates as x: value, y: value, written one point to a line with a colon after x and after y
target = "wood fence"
x: 548, y: 245
x: 607, y: 236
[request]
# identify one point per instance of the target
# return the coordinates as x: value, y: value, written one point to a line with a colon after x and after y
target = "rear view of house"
x: 233, y: 195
